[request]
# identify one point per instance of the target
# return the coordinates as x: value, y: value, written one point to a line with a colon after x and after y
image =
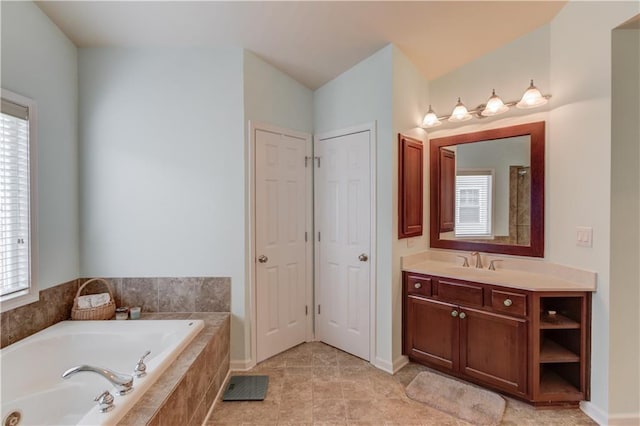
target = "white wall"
x: 361, y: 95
x: 162, y: 166
x: 39, y: 62
x: 273, y: 97
x: 625, y: 222
x: 410, y: 102
x: 579, y: 171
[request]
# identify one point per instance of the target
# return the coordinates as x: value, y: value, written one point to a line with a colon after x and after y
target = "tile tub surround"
x: 170, y: 294
x: 186, y: 390
x: 54, y: 306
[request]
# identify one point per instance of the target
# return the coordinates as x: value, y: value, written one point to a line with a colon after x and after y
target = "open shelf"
x: 551, y: 351
x: 552, y: 383
x: 558, y: 322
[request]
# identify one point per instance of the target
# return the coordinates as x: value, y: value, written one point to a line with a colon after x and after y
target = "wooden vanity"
x: 529, y: 341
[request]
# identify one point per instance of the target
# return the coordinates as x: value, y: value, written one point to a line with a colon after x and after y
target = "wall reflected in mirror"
x: 491, y: 191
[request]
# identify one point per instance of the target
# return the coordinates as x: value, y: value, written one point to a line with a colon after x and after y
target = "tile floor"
x: 316, y: 384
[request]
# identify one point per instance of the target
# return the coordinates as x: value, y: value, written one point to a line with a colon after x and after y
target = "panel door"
x: 282, y: 185
x: 432, y: 333
x: 343, y: 221
x: 410, y: 190
x: 493, y: 349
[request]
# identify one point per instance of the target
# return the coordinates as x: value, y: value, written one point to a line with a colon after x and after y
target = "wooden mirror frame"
x: 536, y: 131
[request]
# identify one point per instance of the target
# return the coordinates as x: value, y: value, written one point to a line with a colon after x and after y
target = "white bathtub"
x: 31, y: 369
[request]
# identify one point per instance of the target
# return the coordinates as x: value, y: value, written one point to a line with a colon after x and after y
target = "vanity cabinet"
x: 499, y: 337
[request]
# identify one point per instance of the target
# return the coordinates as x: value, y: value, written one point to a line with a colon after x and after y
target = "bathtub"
x: 31, y: 369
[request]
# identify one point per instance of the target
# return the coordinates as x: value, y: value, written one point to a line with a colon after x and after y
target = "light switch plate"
x: 584, y: 236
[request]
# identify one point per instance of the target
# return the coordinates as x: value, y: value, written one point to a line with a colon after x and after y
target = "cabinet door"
x: 410, y: 187
x: 447, y: 190
x: 431, y: 333
x: 493, y: 348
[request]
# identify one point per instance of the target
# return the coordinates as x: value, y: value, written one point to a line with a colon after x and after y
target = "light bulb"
x: 532, y: 98
x: 494, y: 106
x: 431, y: 119
x: 460, y: 113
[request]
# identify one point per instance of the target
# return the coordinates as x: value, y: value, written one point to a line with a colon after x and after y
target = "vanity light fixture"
x: 495, y: 106
x: 459, y: 113
x: 531, y: 98
x: 431, y: 119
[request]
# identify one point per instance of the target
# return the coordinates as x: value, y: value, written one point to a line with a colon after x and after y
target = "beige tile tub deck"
x: 186, y: 390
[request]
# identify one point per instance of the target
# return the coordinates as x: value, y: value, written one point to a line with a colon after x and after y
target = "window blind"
x: 473, y: 203
x: 14, y: 198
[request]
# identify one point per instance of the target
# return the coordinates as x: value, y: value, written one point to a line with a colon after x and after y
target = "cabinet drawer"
x: 509, y: 303
x: 418, y: 285
x: 464, y: 294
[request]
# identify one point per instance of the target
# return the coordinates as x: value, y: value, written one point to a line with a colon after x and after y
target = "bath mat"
x: 467, y: 402
x: 246, y: 388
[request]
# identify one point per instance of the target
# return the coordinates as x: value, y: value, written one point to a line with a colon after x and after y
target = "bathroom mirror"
x: 487, y: 191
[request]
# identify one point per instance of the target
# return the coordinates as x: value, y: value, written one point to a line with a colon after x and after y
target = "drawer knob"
x: 463, y: 315
x: 454, y: 313
x: 507, y: 302
x: 417, y: 285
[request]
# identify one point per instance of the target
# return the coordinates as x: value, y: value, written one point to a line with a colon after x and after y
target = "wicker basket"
x: 104, y: 312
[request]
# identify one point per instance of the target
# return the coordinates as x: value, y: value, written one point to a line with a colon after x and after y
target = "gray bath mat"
x: 462, y: 400
x: 246, y: 388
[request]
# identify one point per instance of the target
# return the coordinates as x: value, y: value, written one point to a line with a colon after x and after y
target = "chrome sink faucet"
x: 122, y: 382
x: 478, y: 259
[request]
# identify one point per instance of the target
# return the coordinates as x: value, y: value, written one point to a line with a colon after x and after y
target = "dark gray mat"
x: 246, y: 388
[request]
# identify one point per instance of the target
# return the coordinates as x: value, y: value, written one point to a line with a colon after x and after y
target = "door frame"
x: 250, y: 238
x: 373, y: 256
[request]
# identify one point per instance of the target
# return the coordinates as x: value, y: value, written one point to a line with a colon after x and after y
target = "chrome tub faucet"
x: 122, y: 382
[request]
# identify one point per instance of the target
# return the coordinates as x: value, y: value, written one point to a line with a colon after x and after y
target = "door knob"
x: 263, y: 259
x: 363, y: 257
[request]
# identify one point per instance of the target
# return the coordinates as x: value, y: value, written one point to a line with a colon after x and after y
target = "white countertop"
x: 518, y: 273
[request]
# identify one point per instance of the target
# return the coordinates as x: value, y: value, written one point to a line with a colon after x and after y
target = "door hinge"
x: 305, y: 236
x: 318, y: 158
x: 306, y: 310
x: 306, y: 159
x: 319, y: 237
x: 318, y: 309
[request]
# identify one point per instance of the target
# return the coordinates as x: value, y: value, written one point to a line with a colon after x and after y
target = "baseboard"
x: 391, y: 367
x: 593, y: 411
x: 382, y: 364
x: 241, y: 365
x: 625, y: 419
x: 400, y: 362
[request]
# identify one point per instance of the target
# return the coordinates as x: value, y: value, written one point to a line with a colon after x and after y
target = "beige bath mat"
x: 462, y: 400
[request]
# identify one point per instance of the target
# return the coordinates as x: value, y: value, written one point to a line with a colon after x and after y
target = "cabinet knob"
x: 454, y: 313
x: 507, y: 302
x: 463, y: 315
x: 417, y: 285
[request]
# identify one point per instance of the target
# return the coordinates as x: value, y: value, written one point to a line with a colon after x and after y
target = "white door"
x: 343, y: 234
x: 283, y: 186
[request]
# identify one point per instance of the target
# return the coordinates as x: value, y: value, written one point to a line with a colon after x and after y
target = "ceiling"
x: 313, y: 42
